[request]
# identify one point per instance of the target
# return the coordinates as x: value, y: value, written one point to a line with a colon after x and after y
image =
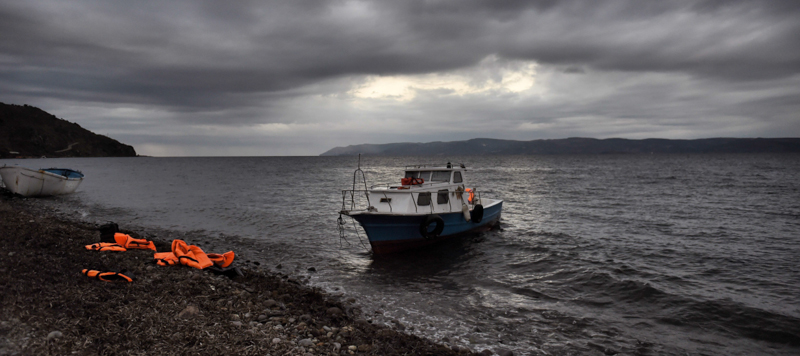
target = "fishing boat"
x: 427, y: 205
x: 30, y: 183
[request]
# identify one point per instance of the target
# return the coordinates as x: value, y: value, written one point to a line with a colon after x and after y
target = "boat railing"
x: 435, y: 165
x: 357, y: 197
x: 396, y: 186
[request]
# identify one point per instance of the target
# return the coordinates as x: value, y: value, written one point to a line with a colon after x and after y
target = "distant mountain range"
x: 576, y: 145
x: 27, y: 131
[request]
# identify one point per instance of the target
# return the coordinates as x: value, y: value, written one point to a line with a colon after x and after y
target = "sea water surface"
x: 595, y: 254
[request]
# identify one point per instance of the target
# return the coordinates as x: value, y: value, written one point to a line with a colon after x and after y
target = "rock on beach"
x: 54, y: 335
x: 189, y: 312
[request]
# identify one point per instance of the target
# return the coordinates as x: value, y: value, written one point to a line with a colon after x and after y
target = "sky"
x: 299, y: 77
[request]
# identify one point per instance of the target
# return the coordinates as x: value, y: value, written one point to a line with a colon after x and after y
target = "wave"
x: 724, y: 316
x: 735, y: 318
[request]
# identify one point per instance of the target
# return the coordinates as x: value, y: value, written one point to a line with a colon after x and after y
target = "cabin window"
x: 426, y: 175
x: 441, y: 176
x: 412, y: 174
x: 457, y: 177
x: 424, y: 199
x: 441, y: 196
x: 386, y: 200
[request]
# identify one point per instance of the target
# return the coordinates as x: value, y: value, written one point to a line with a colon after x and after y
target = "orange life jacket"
x: 190, y: 255
x: 107, y: 276
x: 185, y: 254
x: 129, y: 242
x: 471, y: 194
x: 105, y: 246
x: 221, y: 260
x: 165, y: 258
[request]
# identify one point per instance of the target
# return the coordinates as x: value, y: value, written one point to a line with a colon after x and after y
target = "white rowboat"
x: 31, y: 183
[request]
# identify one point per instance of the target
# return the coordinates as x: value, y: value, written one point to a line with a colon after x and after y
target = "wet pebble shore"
x: 49, y: 307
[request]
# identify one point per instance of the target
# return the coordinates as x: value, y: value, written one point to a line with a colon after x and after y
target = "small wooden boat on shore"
x: 31, y: 183
x: 432, y: 203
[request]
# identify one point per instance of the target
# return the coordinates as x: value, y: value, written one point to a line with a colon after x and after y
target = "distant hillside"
x: 486, y: 146
x: 26, y: 131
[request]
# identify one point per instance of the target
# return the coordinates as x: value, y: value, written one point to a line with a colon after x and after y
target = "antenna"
x: 363, y: 176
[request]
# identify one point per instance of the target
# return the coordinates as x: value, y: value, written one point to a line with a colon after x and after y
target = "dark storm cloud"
x: 728, y: 41
x: 211, y: 56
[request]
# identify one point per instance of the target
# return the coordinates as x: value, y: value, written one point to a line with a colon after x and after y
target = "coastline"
x: 49, y: 307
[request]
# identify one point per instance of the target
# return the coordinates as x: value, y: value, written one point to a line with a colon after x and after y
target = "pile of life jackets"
x: 192, y: 256
x: 182, y: 254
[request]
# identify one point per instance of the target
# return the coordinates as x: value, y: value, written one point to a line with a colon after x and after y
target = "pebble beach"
x: 50, y: 308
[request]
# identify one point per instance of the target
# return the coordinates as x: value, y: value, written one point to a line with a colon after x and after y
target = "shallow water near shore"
x: 634, y: 254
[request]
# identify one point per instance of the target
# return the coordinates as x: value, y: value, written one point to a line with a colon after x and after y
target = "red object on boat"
x: 411, y: 181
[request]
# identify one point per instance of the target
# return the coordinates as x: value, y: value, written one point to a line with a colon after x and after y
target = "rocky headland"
x: 30, y: 132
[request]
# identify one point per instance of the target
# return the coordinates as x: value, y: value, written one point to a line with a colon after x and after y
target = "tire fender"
x: 424, y: 227
x: 477, y: 213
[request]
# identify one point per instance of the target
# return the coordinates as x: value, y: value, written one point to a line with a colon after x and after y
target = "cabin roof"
x: 424, y: 167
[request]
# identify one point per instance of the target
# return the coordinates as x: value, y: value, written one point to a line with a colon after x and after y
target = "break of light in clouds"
x: 204, y: 78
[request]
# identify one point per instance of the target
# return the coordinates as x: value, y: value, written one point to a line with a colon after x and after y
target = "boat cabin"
x: 437, y: 175
x: 423, y: 190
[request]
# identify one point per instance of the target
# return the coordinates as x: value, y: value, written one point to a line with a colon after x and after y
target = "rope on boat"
x: 343, y: 235
x: 340, y: 222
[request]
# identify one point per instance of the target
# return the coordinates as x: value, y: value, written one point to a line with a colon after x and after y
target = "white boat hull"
x: 32, y: 183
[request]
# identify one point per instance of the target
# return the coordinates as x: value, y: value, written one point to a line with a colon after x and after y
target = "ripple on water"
x: 635, y: 254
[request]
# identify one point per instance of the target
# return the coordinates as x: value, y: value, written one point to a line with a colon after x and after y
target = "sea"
x: 641, y: 254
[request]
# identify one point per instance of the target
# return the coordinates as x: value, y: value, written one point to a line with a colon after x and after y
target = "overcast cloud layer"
x: 299, y: 77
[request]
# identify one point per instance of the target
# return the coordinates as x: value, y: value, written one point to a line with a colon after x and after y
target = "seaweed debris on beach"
x: 47, y: 307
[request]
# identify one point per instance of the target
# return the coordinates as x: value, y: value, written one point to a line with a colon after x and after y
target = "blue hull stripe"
x: 398, y: 230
